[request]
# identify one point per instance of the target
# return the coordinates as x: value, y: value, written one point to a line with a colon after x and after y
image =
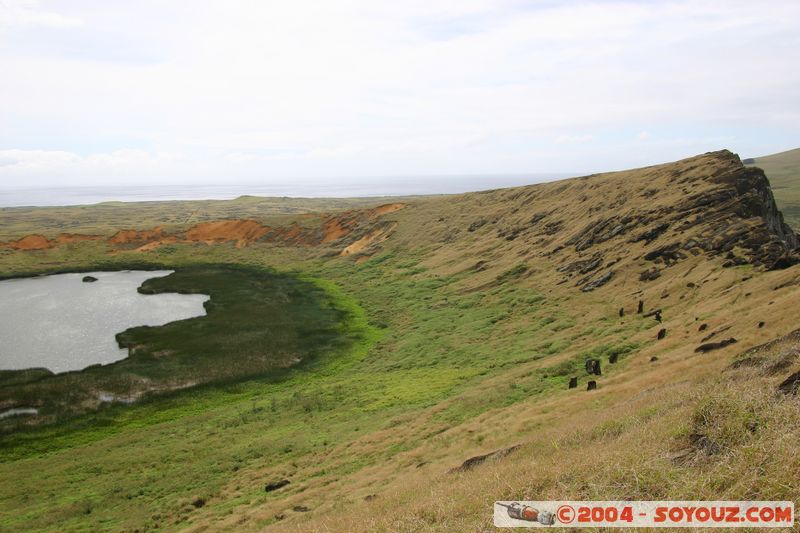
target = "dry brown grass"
x: 726, y: 437
x: 670, y: 429
x: 616, y: 442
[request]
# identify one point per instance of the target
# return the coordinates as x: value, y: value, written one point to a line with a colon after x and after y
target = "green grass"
x: 407, y: 341
x: 219, y: 429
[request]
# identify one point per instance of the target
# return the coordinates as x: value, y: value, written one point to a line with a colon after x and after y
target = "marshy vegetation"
x: 258, y: 322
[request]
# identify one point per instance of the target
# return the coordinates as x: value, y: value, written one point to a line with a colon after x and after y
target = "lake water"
x: 61, y: 323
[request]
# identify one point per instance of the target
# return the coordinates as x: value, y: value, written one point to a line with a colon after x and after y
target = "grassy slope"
x: 727, y: 437
x: 108, y: 217
x: 276, y: 429
x: 458, y: 359
x: 783, y: 171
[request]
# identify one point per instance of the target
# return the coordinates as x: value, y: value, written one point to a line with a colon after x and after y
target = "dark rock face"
x: 754, y: 356
x: 640, y: 309
x: 662, y: 333
x: 669, y: 255
x: 739, y: 211
x: 551, y: 228
x: 472, y: 462
x: 742, y: 212
x: 89, y: 279
x: 650, y: 275
x: 592, y: 385
x: 703, y: 348
x: 538, y: 217
x: 599, y: 282
x: 583, y: 266
x: 757, y: 199
x: 477, y: 224
x: 601, y: 231
x: 733, y: 260
x: 791, y: 385
x: 725, y: 210
x: 275, y: 485
x: 652, y: 234
x: 784, y: 261
x: 510, y: 234
x: 701, y: 442
x: 573, y: 382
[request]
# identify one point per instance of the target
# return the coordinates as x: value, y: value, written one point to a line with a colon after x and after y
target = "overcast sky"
x: 120, y: 92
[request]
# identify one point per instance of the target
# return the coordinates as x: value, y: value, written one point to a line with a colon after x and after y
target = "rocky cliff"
x: 741, y: 212
x: 590, y: 230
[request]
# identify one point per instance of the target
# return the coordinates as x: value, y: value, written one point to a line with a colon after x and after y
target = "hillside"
x: 783, y: 171
x: 461, y: 320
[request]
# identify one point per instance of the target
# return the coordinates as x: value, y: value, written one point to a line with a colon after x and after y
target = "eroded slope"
x: 486, y: 305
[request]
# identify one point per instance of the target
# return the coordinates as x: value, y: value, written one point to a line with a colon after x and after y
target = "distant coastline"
x: 423, y: 185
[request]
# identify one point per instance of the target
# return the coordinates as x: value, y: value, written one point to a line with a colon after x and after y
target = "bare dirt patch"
x: 376, y: 235
x: 242, y: 232
x: 40, y: 242
x: 387, y: 208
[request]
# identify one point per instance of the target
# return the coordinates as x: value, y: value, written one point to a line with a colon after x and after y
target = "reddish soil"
x: 40, y: 242
x: 242, y: 232
x: 334, y: 230
x: 376, y: 235
x: 136, y: 237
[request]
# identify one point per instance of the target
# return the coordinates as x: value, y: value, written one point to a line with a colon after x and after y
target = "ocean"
x: 425, y: 185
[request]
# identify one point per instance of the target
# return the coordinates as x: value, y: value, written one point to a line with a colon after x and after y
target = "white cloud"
x: 27, y: 13
x: 643, y: 136
x: 573, y: 139
x: 15, y: 160
x: 276, y: 90
x: 26, y: 167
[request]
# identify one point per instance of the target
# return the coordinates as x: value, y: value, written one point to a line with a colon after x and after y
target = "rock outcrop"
x: 703, y: 348
x: 740, y: 211
x: 472, y: 462
x: 710, y: 204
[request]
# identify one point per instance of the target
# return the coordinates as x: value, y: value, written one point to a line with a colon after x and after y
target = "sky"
x: 100, y: 92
